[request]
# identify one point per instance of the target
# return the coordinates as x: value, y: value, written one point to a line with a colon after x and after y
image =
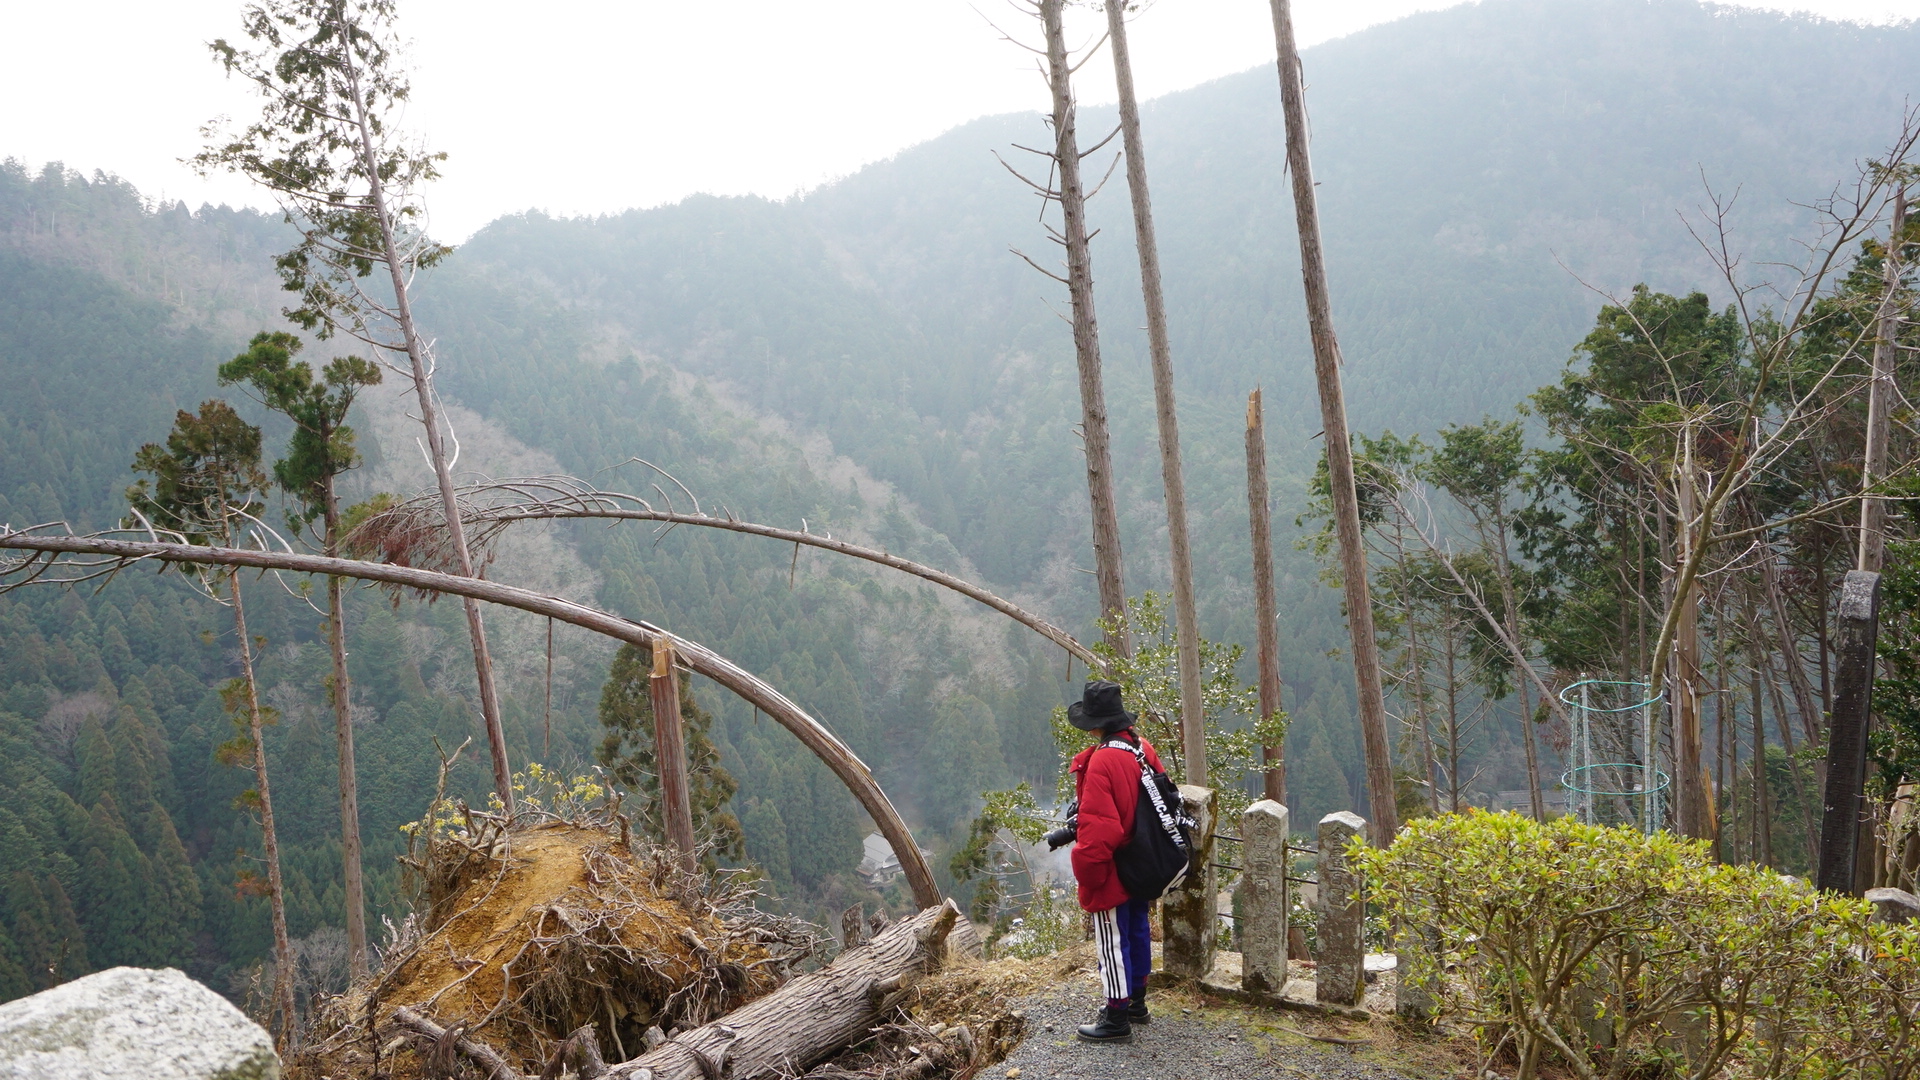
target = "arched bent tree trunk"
x: 845, y: 764
x: 556, y: 498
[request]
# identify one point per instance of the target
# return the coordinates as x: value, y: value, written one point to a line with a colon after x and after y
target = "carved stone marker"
x: 1894, y: 905
x: 1189, y: 915
x: 1340, y: 978
x: 1263, y: 898
x: 1858, y: 630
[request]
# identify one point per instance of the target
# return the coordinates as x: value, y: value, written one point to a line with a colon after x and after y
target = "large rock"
x: 133, y: 1023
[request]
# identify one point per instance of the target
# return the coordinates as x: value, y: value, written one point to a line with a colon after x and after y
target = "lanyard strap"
x: 1168, y: 820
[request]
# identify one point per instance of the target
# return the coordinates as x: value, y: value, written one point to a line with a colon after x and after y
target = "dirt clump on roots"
x: 525, y: 934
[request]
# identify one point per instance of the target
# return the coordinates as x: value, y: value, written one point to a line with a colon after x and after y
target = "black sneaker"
x: 1137, y: 1011
x: 1112, y: 1027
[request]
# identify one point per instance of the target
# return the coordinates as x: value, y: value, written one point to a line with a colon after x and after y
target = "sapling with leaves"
x: 328, y: 145
x: 322, y: 447
x: 206, y: 484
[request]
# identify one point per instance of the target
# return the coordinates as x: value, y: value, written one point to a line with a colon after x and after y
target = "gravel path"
x: 1186, y: 1041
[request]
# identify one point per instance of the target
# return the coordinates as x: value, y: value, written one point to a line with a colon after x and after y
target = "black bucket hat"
x: 1099, y: 708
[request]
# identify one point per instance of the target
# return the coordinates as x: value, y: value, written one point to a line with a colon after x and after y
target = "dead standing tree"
x: 56, y: 556
x: 1065, y: 188
x: 1265, y: 610
x: 1186, y: 619
x: 328, y: 75
x: 1383, y: 816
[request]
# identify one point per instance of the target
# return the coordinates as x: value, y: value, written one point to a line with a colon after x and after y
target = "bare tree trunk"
x: 1453, y: 726
x: 341, y: 691
x: 1721, y: 708
x: 276, y: 889
x: 1511, y: 610
x: 1186, y: 619
x: 1265, y: 609
x: 436, y: 445
x: 1383, y: 815
x: 1762, y: 794
x: 1535, y: 798
x: 1086, y: 335
x: 1873, y: 510
x: 670, y: 754
x: 1422, y: 708
x: 1689, y: 780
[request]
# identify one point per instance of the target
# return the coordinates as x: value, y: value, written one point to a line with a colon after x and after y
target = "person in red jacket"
x: 1107, y: 788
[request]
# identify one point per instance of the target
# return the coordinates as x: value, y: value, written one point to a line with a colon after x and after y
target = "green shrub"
x: 1609, y: 951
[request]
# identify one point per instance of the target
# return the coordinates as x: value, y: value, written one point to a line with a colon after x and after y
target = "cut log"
x: 809, y: 1018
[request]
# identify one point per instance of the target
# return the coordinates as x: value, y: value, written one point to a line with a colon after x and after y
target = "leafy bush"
x: 1609, y: 951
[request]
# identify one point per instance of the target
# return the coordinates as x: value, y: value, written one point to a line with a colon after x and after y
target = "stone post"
x: 1262, y: 893
x: 1189, y: 915
x: 1340, y: 978
x: 1894, y: 905
x: 1858, y: 631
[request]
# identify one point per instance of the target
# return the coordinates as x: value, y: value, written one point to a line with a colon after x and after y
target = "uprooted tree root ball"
x: 528, y: 933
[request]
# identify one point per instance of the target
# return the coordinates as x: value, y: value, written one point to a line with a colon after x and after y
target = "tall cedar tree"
x: 205, y: 483
x: 1186, y: 618
x: 321, y: 449
x: 626, y: 711
x: 328, y: 75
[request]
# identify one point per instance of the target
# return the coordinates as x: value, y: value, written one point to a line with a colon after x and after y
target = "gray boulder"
x: 136, y: 1023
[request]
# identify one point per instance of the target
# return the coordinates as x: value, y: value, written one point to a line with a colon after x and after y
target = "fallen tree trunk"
x: 809, y: 1018
x: 852, y: 772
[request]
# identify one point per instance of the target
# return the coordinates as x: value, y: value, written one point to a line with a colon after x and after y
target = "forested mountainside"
x: 871, y: 359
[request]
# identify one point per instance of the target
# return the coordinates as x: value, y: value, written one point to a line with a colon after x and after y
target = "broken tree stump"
x: 809, y: 1018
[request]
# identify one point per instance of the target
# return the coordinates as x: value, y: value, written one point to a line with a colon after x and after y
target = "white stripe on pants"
x: 1113, y: 959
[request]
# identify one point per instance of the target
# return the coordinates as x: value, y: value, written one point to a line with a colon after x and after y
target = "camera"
x: 1066, y: 834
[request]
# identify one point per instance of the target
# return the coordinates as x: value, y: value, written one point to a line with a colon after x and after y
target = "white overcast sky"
x: 594, y: 106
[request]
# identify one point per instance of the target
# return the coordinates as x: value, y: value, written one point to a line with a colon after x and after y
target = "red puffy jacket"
x: 1107, y: 780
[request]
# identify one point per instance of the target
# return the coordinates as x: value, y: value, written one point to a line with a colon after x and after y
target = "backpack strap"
x: 1170, y: 819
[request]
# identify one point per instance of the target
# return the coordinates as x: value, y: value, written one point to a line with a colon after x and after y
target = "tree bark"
x: 1382, y: 815
x: 809, y: 1018
x: 1265, y: 609
x: 276, y: 889
x: 670, y: 755
x: 1689, y: 772
x: 1762, y: 793
x: 341, y: 691
x: 701, y: 660
x: 1186, y: 618
x: 1086, y: 335
x: 436, y: 446
x: 1873, y: 510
